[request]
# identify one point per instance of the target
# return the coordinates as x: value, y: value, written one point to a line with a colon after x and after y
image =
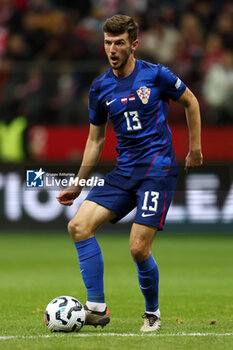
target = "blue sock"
x: 92, y: 268
x: 148, y: 276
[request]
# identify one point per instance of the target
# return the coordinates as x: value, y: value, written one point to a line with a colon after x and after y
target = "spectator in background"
x: 3, y: 41
x: 13, y: 74
x: 137, y: 8
x: 218, y: 90
x: 213, y: 51
x: 205, y: 11
x: 159, y: 42
x: 33, y: 34
x: 224, y: 27
x: 69, y: 102
x: 31, y: 95
x: 190, y: 48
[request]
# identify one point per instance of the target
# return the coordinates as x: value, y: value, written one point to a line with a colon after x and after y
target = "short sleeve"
x: 170, y: 85
x: 97, y: 113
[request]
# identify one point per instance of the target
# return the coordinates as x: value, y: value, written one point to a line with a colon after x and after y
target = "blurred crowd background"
x: 50, y: 50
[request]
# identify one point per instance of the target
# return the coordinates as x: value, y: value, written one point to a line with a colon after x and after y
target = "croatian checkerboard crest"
x: 144, y: 94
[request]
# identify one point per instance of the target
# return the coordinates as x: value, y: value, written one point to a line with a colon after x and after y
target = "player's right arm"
x: 172, y: 87
x: 91, y: 155
x: 192, y: 111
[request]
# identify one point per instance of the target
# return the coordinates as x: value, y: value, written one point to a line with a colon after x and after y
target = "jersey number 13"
x: 132, y: 121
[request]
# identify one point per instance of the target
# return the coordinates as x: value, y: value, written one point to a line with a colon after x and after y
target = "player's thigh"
x: 114, y: 196
x: 88, y: 218
x: 141, y: 239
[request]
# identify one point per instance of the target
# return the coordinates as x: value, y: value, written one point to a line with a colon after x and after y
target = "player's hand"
x: 67, y: 197
x: 194, y: 159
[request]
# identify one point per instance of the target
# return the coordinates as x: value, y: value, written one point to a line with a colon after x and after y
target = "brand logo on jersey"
x: 109, y: 102
x: 144, y: 215
x: 144, y: 94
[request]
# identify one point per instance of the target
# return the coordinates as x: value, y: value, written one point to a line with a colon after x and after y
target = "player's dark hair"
x: 119, y: 24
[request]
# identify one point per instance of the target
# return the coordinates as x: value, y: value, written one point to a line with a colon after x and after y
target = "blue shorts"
x: 151, y: 196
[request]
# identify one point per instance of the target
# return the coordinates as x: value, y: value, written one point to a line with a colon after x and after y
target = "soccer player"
x: 134, y: 95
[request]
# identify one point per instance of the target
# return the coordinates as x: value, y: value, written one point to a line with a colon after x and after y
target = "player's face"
x: 118, y: 49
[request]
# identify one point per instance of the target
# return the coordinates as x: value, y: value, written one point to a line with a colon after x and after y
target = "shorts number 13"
x: 154, y: 199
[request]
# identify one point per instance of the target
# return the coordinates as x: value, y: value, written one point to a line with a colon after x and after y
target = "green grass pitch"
x: 196, y: 292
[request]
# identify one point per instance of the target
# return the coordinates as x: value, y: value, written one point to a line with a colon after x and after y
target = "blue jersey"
x: 137, y: 106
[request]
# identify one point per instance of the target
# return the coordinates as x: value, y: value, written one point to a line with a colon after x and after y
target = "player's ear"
x: 134, y: 45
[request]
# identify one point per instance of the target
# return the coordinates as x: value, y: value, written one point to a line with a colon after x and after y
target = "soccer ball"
x: 64, y: 314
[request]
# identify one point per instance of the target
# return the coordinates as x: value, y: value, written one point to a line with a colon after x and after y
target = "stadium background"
x: 49, y: 53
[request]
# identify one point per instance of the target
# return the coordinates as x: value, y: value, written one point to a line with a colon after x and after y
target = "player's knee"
x: 79, y: 231
x: 139, y: 252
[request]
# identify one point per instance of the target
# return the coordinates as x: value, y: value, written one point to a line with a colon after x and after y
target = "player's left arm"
x: 192, y: 111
